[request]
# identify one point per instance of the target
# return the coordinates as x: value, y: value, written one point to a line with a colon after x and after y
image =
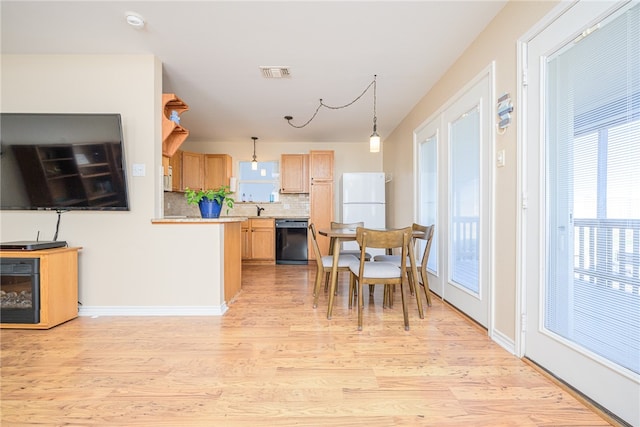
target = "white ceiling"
x: 211, y: 52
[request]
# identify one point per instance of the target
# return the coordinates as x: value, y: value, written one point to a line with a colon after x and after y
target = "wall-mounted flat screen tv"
x: 62, y: 162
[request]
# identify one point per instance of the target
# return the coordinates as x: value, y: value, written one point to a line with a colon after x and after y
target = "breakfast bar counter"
x: 214, y: 244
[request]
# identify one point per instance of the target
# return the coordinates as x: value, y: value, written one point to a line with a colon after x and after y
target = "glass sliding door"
x: 583, y: 248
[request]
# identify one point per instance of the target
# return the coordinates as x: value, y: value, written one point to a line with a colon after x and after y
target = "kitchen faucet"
x: 259, y: 209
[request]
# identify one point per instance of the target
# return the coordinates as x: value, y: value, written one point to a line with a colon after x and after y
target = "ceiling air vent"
x: 275, y: 72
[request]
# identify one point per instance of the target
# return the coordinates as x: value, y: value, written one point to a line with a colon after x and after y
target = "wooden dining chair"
x: 350, y: 226
x: 424, y: 238
x: 324, y: 263
x: 378, y: 272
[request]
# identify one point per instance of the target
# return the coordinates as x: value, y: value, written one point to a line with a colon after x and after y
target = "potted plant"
x: 210, y: 201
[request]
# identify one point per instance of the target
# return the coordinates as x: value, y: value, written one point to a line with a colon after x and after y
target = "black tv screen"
x: 62, y: 162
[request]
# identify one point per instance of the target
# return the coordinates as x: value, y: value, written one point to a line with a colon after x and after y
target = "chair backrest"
x: 384, y: 239
x: 316, y: 249
x: 427, y: 237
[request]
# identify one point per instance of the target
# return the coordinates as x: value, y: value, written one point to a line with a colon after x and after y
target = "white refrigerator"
x: 363, y: 199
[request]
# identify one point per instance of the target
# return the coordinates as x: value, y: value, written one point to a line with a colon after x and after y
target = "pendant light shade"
x: 374, y: 142
x: 254, y: 162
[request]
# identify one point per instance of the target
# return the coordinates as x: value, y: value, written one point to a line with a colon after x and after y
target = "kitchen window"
x: 260, y: 185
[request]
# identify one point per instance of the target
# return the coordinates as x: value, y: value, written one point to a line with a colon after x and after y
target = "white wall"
x: 496, y: 43
x: 126, y: 263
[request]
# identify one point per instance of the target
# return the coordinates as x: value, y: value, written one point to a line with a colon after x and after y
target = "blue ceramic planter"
x: 209, y: 208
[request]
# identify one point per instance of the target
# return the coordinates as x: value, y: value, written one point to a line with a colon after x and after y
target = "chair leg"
x: 360, y: 305
x: 412, y: 286
x: 326, y: 282
x: 404, y: 308
x: 415, y: 293
x: 387, y: 300
x: 316, y: 289
x: 352, y: 283
x: 425, y: 287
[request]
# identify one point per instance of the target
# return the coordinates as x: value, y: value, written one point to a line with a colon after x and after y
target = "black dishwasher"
x: 291, y: 240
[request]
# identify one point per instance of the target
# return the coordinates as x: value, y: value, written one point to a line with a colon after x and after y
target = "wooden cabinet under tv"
x: 58, y: 286
x: 72, y: 175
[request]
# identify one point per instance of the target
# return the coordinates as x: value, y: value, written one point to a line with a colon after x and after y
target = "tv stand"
x: 58, y: 285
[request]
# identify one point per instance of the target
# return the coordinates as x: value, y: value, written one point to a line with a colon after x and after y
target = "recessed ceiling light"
x: 135, y: 20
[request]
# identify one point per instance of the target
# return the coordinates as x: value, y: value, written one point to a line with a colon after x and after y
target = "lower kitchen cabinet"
x: 258, y: 241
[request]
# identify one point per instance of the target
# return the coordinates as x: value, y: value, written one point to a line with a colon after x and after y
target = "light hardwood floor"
x: 272, y: 360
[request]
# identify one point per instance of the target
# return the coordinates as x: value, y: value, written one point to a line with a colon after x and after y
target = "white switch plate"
x: 500, y: 159
x: 139, y: 169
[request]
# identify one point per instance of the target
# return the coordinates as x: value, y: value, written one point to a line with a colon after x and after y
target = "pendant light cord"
x: 322, y: 104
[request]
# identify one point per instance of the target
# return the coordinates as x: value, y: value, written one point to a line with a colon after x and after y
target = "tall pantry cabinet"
x: 320, y: 195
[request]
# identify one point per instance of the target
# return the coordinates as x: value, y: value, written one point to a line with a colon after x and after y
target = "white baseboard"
x: 503, y: 341
x: 152, y: 310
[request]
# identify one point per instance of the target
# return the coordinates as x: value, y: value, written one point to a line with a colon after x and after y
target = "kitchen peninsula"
x: 211, y: 245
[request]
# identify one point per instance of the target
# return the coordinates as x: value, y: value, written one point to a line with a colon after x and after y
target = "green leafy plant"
x: 220, y: 195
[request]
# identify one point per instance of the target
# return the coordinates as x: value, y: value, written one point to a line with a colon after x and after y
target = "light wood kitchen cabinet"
x: 258, y: 241
x: 294, y: 173
x: 197, y: 170
x: 192, y: 170
x: 175, y: 162
x: 321, y: 165
x: 217, y: 170
x: 321, y: 205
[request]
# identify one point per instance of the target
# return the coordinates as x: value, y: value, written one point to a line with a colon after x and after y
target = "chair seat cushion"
x: 343, y: 260
x: 384, y: 270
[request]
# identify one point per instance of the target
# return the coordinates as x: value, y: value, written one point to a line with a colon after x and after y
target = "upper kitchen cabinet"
x: 321, y: 165
x: 294, y: 173
x: 173, y: 135
x: 217, y: 170
x: 192, y: 170
x: 198, y: 170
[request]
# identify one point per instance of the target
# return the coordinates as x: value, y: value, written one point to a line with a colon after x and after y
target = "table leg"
x: 335, y: 249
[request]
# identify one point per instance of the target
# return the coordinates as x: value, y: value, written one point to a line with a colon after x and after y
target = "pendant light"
x: 254, y: 162
x: 374, y: 139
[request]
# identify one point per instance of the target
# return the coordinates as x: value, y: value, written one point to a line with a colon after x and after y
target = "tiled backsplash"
x: 289, y: 205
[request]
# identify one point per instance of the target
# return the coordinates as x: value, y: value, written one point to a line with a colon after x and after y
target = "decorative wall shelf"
x: 173, y: 134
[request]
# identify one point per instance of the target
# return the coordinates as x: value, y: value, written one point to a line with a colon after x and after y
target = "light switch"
x: 500, y: 159
x: 138, y: 169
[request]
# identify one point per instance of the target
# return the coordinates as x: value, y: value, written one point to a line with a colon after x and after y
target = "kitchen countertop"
x: 198, y: 220
x: 178, y: 219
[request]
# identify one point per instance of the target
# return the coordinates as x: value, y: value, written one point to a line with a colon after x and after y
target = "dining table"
x: 336, y: 236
